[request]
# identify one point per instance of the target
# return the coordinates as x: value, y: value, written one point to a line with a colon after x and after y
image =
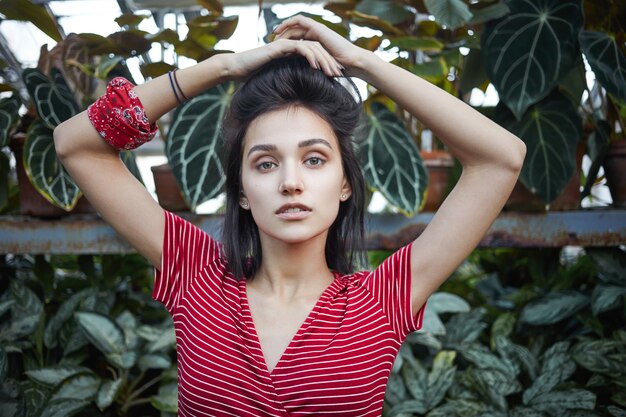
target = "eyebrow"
x: 302, y: 144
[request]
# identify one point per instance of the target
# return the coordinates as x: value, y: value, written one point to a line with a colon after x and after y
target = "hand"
x: 242, y: 64
x: 343, y: 51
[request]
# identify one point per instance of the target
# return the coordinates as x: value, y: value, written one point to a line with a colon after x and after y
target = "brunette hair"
x: 283, y: 83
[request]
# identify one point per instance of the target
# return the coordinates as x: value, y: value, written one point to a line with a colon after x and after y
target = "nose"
x: 291, y: 180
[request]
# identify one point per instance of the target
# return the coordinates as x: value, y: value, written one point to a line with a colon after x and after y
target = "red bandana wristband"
x: 119, y: 117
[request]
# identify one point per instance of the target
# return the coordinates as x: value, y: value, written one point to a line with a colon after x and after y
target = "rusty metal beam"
x: 82, y: 234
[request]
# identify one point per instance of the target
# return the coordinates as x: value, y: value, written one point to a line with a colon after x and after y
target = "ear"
x: 243, y: 202
x: 346, y: 190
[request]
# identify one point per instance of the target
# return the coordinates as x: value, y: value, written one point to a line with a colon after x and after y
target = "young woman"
x: 274, y: 322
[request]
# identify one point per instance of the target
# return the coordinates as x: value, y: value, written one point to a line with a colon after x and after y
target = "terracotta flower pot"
x: 32, y: 203
x: 439, y: 165
x: 167, y: 190
x: 615, y: 171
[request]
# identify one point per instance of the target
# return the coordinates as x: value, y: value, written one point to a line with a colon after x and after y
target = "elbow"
x: 519, y: 154
x: 60, y: 138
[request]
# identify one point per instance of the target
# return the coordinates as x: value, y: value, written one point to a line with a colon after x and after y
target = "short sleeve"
x: 390, y: 285
x: 186, y: 251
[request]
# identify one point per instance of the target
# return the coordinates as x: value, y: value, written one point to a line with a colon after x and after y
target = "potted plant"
x: 64, y: 82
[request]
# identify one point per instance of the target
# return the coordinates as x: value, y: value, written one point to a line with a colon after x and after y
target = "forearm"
x: 157, y: 96
x: 473, y: 138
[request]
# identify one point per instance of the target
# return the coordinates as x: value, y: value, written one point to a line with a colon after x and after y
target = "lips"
x: 293, y: 211
x: 293, y: 208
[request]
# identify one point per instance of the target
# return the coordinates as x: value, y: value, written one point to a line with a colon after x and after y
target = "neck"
x: 289, y: 271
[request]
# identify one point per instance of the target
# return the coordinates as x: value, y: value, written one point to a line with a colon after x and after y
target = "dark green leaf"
x: 458, y: 408
x: 53, y: 98
x: 44, y: 169
x: 432, y: 324
x: 491, y: 12
x: 34, y: 396
x: 64, y: 313
x: 392, y: 11
x: 602, y: 356
x: 473, y: 74
x: 410, y: 406
x: 480, y: 356
x: 606, y: 297
x: 464, y: 328
x: 193, y: 142
x: 63, y: 408
x: 555, y: 402
x: 553, y: 307
x: 106, y: 65
x: 502, y: 327
x: 53, y: 376
x: 573, y: 84
x: 449, y: 13
x: 107, y: 393
x: 441, y: 378
x: 82, y: 386
x: 103, y: 332
x: 3, y: 364
x: 154, y: 361
x: 392, y: 162
x: 9, y: 116
x: 550, y: 378
x: 165, y: 36
x: 35, y: 13
x: 442, y: 302
x: 525, y: 412
x: 396, y: 390
x: 551, y: 129
x: 156, y: 69
x: 529, y: 50
x: 413, y: 43
x: 416, y: 382
x: 616, y: 411
x: 607, y: 61
x: 611, y: 264
x: 167, y: 399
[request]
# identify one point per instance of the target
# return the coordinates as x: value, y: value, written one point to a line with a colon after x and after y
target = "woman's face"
x: 292, y: 175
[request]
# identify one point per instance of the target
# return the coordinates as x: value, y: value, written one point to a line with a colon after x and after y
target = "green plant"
x: 81, y: 335
x: 545, y: 338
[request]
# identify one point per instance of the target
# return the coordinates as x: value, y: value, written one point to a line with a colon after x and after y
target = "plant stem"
x: 143, y: 388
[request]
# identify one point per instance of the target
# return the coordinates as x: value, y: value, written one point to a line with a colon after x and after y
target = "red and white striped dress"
x: 337, y: 364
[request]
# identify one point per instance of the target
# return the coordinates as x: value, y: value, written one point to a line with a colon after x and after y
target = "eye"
x: 315, y: 161
x: 265, y: 165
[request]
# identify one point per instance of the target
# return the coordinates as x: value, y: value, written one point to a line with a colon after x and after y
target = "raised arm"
x: 491, y: 156
x: 96, y: 167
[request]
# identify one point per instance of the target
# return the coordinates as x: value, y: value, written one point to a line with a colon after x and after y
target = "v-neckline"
x: 255, y: 336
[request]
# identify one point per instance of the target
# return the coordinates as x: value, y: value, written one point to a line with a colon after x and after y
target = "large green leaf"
x: 558, y: 367
x: 167, y: 399
x: 63, y: 408
x: 32, y: 12
x: 607, y: 61
x: 443, y: 302
x: 602, y: 357
x: 606, y: 297
x: 483, y: 358
x: 53, y: 98
x: 553, y: 307
x: 392, y: 162
x: 44, y: 169
x: 527, y: 51
x: 440, y: 378
x: 193, y: 143
x: 107, y: 393
x: 449, y: 13
x: 9, y: 115
x: 551, y: 129
x: 555, y: 402
x: 106, y: 335
x: 393, y: 12
x: 55, y: 375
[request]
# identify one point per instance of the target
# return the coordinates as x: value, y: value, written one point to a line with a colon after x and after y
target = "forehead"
x: 288, y: 126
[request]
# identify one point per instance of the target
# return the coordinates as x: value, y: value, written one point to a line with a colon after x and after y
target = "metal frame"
x: 85, y: 234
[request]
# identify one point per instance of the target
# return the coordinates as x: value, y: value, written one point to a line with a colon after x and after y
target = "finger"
x: 294, y: 20
x: 292, y: 33
x: 329, y: 63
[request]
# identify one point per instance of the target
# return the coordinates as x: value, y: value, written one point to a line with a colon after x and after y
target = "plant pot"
x: 167, y: 190
x: 439, y: 165
x: 32, y: 203
x: 615, y: 172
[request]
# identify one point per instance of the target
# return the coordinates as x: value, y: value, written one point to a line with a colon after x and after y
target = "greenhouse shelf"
x: 85, y: 234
